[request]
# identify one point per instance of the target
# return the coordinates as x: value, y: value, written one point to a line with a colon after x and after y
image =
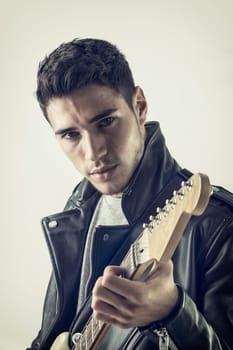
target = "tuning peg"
x: 180, y: 193
x: 189, y: 185
x: 165, y: 211
x: 172, y: 202
x: 149, y: 226
x: 158, y: 219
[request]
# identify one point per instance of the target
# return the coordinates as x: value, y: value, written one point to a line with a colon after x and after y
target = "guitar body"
x: 158, y: 240
x: 61, y: 342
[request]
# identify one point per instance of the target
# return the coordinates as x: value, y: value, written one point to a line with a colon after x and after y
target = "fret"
x: 142, y: 248
x: 137, y: 254
x: 86, y: 338
x: 89, y: 332
x: 92, y: 331
x: 83, y: 342
x: 129, y: 263
x: 94, y: 327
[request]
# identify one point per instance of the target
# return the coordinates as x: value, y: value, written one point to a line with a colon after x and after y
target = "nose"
x: 94, y: 146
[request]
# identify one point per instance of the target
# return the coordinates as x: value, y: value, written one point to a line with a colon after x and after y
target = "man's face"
x: 101, y: 135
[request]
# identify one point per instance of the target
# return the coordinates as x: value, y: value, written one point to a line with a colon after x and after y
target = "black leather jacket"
x: 203, y: 260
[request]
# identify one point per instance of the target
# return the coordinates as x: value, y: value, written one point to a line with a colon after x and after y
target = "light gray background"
x: 181, y: 53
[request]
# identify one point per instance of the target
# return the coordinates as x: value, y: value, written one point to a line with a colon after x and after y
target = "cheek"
x: 74, y: 154
x: 125, y: 136
x: 134, y: 141
x: 67, y: 149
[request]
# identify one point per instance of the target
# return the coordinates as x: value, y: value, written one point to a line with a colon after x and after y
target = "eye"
x: 71, y: 135
x: 106, y: 122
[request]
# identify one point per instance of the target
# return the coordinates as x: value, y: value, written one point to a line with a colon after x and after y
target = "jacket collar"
x: 156, y: 169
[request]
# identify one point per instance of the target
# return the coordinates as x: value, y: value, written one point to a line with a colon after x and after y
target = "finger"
x: 110, y: 308
x: 102, y: 294
x: 160, y: 269
x: 153, y: 271
x: 113, y: 270
x: 121, y: 315
x: 112, y: 319
x: 131, y: 292
x: 114, y: 280
x: 101, y: 308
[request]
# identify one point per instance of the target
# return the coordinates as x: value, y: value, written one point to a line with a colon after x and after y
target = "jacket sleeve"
x: 210, y: 324
x: 205, y: 320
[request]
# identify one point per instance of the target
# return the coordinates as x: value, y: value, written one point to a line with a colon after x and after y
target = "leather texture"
x: 202, y: 261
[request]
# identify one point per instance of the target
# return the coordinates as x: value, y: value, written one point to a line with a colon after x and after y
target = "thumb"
x: 153, y: 270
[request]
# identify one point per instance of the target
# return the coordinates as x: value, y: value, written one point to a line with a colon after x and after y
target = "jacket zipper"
x: 165, y: 342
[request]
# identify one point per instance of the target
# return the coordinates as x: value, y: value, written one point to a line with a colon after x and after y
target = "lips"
x: 104, y: 173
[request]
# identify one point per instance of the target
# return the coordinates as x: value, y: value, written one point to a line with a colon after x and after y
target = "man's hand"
x: 126, y: 303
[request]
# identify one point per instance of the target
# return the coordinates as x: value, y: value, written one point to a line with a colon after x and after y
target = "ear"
x: 140, y: 104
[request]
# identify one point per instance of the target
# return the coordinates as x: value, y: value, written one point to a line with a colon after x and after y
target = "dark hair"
x: 81, y: 62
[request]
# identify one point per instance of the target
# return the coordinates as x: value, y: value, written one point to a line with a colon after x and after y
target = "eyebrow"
x: 97, y: 117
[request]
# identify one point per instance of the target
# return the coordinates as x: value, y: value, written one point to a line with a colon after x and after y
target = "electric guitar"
x: 158, y: 240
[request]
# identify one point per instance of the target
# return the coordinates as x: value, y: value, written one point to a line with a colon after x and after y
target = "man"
x: 87, y: 93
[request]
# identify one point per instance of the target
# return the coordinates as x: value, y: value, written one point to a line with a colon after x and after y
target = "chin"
x: 110, y: 190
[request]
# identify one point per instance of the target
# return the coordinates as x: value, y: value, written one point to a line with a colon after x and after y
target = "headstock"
x: 166, y: 227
